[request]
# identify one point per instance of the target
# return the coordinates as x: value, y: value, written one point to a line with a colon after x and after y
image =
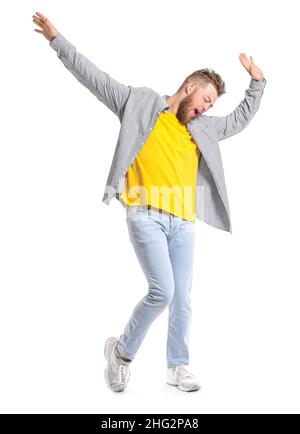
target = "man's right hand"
x: 48, y: 30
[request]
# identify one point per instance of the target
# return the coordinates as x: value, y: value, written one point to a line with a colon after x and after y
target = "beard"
x: 185, y: 106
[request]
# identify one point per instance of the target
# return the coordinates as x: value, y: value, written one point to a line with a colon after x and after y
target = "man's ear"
x: 190, y: 87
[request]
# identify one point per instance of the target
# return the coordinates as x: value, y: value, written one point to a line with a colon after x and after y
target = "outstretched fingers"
x: 244, y: 60
x: 43, y: 17
x: 37, y: 21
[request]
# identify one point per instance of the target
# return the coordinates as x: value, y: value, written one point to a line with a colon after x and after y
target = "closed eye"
x: 208, y: 101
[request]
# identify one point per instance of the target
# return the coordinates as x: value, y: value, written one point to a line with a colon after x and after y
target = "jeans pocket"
x: 136, y: 213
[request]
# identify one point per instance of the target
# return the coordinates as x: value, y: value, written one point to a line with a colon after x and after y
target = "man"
x: 166, y: 172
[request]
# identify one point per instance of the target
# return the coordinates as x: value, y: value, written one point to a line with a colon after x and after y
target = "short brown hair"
x: 205, y: 76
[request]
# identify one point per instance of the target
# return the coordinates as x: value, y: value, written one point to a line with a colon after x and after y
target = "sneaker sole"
x: 114, y: 389
x: 108, y: 343
x: 107, y: 349
x: 189, y: 389
x: 192, y: 388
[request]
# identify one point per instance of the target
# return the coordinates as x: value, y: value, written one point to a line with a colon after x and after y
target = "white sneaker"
x: 117, y: 372
x: 179, y: 376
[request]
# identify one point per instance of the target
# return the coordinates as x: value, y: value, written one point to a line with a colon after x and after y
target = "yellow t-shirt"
x: 164, y: 172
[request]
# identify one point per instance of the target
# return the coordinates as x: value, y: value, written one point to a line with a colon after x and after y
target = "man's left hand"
x: 250, y: 66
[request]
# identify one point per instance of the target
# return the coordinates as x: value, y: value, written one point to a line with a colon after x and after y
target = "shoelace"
x: 183, y: 372
x: 123, y: 373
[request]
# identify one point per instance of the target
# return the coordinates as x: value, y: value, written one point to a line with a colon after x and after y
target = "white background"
x: 69, y: 275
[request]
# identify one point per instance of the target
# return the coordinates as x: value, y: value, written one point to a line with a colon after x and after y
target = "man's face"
x: 198, y: 101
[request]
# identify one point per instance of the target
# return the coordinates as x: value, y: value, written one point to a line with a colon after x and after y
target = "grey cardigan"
x: 138, y: 109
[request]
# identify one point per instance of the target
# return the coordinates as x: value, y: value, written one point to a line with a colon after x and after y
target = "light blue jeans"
x: 164, y: 246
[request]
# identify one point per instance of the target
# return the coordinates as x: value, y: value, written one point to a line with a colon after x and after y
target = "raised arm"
x: 107, y: 90
x: 237, y: 120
